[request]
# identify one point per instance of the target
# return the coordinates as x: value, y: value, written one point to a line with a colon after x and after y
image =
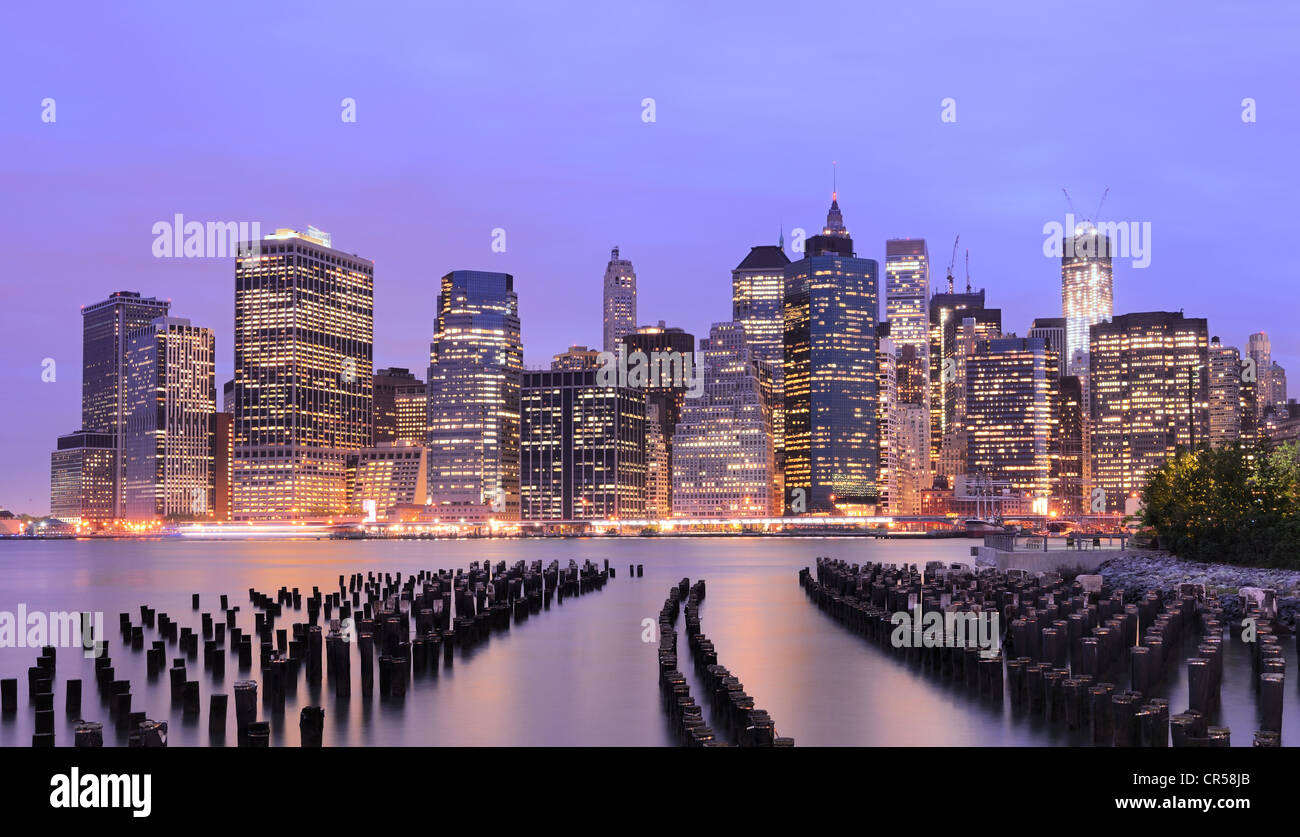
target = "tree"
x: 1236, y: 504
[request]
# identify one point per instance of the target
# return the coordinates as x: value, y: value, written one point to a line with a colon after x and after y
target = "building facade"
x: 1224, y: 393
x: 401, y: 406
x: 831, y: 435
x: 388, y: 475
x: 1011, y: 415
x: 475, y: 362
x: 582, y: 446
x: 724, y: 461
x: 1149, y: 395
x: 83, y: 478
x: 170, y: 400
x: 304, y: 374
x: 105, y: 328
x: 757, y: 306
x: 1087, y: 292
x: 619, y: 300
x: 907, y: 292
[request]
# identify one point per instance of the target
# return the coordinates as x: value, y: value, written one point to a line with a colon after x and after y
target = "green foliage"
x: 1237, y: 504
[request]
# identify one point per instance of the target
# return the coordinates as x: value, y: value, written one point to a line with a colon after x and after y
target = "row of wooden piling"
x: 1068, y: 646
x: 742, y: 723
x: 746, y: 725
x: 686, y: 716
x: 449, y: 611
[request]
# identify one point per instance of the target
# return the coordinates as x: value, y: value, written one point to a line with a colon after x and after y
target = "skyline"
x: 684, y: 197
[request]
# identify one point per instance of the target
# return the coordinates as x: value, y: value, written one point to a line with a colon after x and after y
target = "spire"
x: 834, y: 220
x: 780, y: 239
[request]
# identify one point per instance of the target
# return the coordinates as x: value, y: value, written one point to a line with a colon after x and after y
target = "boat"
x: 981, y: 526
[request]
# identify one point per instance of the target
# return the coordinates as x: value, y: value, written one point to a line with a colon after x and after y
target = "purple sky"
x: 517, y: 116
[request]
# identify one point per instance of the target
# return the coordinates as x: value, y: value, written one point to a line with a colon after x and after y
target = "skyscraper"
x: 170, y: 401
x: 105, y: 326
x: 1277, y: 388
x: 1011, y: 415
x: 1086, y: 285
x: 1225, y: 393
x: 887, y: 418
x: 1070, y: 471
x: 475, y: 361
x: 909, y: 459
x: 723, y: 457
x: 946, y: 313
x: 907, y: 292
x: 304, y: 364
x: 831, y: 438
x: 582, y: 445
x: 658, y: 465
x: 83, y: 477
x: 1149, y: 389
x: 668, y: 351
x: 757, y: 299
x: 619, y: 300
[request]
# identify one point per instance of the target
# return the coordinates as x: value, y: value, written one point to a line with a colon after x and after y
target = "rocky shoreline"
x: 1139, y: 572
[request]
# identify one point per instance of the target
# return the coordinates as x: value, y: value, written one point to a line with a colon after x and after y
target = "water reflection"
x: 577, y: 673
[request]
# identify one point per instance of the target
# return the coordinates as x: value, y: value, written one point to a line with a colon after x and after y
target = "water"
x: 576, y: 674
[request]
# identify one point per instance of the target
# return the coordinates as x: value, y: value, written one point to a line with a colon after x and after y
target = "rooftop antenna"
x: 967, y: 270
x: 835, y: 189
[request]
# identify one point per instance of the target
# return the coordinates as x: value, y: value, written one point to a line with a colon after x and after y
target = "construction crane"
x: 1097, y: 215
x: 950, y: 263
x: 967, y: 270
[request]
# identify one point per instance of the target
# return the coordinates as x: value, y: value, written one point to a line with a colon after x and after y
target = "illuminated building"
x: 757, y: 299
x: 82, y: 477
x: 1010, y: 414
x: 946, y: 312
x: 723, y: 456
x: 304, y: 365
x: 413, y: 413
x: 401, y: 406
x: 1086, y: 285
x: 910, y: 459
x: 1277, y: 388
x: 658, y: 467
x: 1052, y: 330
x: 582, y: 452
x: 887, y: 419
x: 105, y: 327
x: 663, y: 347
x: 390, y: 474
x: 1225, y: 393
x: 170, y: 399
x: 907, y: 292
x: 475, y: 361
x: 912, y: 373
x: 619, y: 300
x: 1069, y: 465
x: 1149, y: 390
x: 577, y: 357
x: 1260, y: 350
x: 831, y: 437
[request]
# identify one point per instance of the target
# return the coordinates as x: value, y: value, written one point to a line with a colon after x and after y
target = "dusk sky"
x: 474, y: 116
